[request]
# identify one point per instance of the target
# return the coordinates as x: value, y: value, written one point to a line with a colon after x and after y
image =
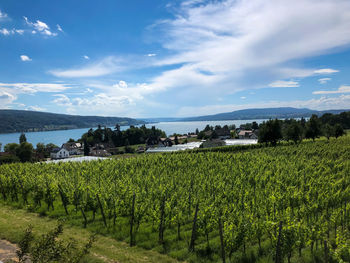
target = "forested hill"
x: 266, y: 113
x: 23, y: 121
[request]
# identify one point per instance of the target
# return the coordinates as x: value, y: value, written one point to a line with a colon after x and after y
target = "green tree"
x: 176, y: 140
x: 270, y: 132
x: 313, y: 127
x: 328, y: 131
x: 11, y: 148
x: 86, y: 148
x: 25, y: 152
x: 294, y: 132
x: 22, y: 138
x: 338, y: 130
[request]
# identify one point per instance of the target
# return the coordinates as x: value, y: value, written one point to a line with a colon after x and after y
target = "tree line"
x: 328, y: 125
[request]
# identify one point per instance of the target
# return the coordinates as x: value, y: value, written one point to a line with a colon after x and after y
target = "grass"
x: 14, y: 221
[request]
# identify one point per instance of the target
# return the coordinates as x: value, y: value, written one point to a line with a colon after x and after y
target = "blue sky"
x: 173, y: 58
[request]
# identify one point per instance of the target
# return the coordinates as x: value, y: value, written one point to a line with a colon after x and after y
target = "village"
x: 209, y: 137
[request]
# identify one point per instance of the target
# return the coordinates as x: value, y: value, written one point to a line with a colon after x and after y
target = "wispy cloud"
x: 35, y: 87
x: 2, y: 15
x: 86, y: 57
x: 236, y: 41
x: 323, y: 103
x: 284, y: 84
x: 341, y: 89
x: 326, y: 71
x: 151, y: 55
x: 25, y: 58
x: 40, y: 27
x: 104, y: 67
x: 324, y: 80
x: 59, y: 28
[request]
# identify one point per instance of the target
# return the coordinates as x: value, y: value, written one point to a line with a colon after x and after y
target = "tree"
x: 86, y: 148
x: 328, y: 131
x: 270, y: 132
x: 294, y: 132
x: 338, y: 130
x: 255, y: 125
x: 197, y: 131
x: 313, y: 127
x: 0, y: 146
x: 176, y: 140
x: 25, y: 152
x: 22, y: 138
x: 11, y: 148
x: 71, y: 140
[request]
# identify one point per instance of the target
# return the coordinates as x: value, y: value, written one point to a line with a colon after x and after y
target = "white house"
x: 59, y: 153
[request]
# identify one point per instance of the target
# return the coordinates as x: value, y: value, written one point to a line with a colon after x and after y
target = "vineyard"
x: 275, y: 204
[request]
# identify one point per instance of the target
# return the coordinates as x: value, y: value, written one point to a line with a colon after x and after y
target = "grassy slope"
x: 13, y: 222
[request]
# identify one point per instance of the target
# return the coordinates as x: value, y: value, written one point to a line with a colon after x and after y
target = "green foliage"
x: 313, y: 128
x: 270, y: 132
x: 243, y: 195
x: 22, y: 138
x: 49, y: 248
x: 25, y: 152
x: 10, y: 158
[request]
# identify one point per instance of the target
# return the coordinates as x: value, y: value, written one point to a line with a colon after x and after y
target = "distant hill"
x: 24, y: 121
x: 251, y: 114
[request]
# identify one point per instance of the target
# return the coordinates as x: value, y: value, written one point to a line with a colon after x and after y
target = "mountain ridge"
x: 254, y: 113
x: 27, y: 121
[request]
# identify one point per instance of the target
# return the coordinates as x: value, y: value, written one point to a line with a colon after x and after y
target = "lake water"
x: 62, y: 136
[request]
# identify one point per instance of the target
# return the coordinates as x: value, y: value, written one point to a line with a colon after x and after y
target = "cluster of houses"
x: 75, y: 148
x: 102, y: 150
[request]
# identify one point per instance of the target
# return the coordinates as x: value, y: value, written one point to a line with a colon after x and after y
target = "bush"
x: 9, y: 159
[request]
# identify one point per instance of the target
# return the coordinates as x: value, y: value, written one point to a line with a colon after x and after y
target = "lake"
x: 62, y: 136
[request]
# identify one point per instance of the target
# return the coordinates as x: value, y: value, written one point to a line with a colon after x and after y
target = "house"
x: 246, y: 134
x: 59, y: 153
x: 74, y: 148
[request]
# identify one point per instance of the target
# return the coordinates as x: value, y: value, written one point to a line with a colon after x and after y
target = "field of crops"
x: 271, y: 204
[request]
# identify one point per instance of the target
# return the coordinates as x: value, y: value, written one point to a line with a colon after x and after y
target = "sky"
x: 177, y: 58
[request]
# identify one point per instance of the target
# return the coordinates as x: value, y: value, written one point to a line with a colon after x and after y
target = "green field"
x: 291, y: 201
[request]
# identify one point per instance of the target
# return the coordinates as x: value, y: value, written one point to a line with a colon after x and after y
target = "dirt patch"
x: 7, y: 251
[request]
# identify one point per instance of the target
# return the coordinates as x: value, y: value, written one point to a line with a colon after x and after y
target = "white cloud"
x: 326, y: 71
x: 104, y: 67
x: 40, y: 26
x: 323, y: 103
x: 2, y: 15
x: 284, y: 84
x: 34, y: 87
x: 6, y: 98
x: 243, y: 98
x: 341, y: 89
x: 35, y: 108
x: 121, y: 84
x: 59, y: 28
x: 25, y: 58
x: 5, y: 32
x: 151, y: 55
x: 86, y: 57
x: 243, y: 44
x: 324, y: 80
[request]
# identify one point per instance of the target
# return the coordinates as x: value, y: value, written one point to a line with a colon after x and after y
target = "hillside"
x: 23, y: 121
x: 251, y: 114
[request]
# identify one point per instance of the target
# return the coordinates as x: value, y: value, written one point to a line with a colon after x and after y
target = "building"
x: 246, y: 134
x: 74, y: 148
x: 59, y: 153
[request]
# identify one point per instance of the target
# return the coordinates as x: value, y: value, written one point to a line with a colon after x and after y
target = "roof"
x: 56, y: 150
x: 243, y: 132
